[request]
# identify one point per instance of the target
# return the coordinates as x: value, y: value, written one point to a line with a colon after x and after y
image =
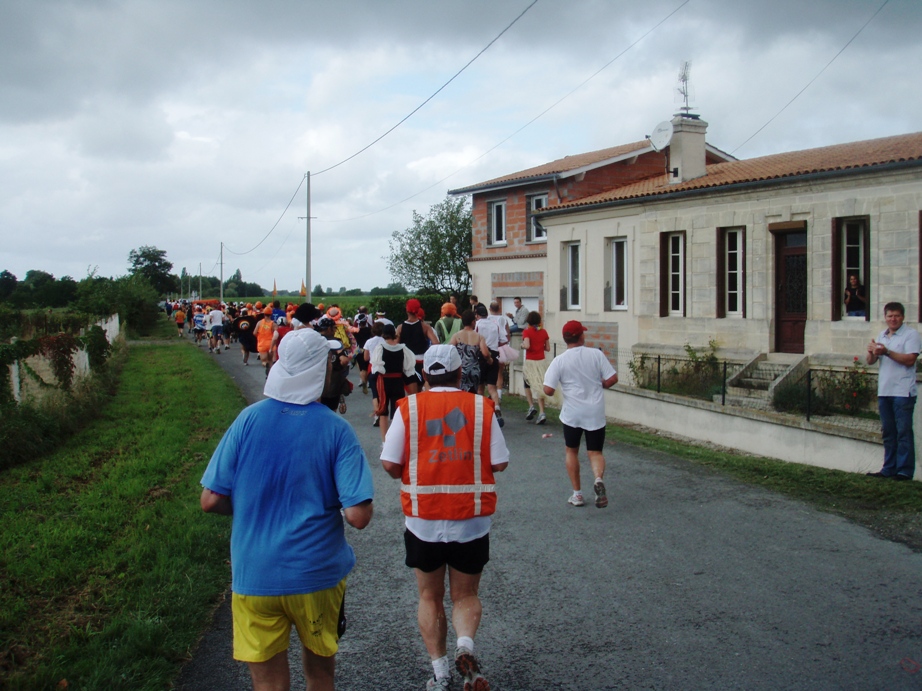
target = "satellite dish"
x: 661, y: 136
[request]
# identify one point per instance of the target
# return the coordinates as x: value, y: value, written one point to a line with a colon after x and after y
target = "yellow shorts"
x: 262, y: 624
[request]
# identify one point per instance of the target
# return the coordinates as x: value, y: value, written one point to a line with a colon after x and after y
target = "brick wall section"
x: 509, y: 285
x: 516, y: 198
x: 604, y: 335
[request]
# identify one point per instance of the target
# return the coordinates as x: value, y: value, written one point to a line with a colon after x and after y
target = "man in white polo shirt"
x: 897, y: 348
x: 581, y: 373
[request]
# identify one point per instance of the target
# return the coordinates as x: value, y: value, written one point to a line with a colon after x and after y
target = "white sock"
x: 598, y: 479
x: 577, y: 493
x: 441, y: 668
x: 466, y: 642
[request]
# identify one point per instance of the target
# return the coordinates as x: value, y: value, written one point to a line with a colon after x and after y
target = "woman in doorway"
x: 855, y: 301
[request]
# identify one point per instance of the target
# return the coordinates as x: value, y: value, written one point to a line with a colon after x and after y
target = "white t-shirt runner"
x: 578, y: 373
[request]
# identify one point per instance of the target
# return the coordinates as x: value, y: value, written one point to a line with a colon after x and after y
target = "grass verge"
x: 891, y: 509
x: 109, y: 569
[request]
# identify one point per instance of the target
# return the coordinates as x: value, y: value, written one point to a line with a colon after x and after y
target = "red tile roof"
x: 562, y: 165
x: 841, y: 157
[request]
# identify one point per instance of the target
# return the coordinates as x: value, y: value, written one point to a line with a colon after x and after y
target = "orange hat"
x: 449, y: 310
x: 249, y: 305
x: 333, y: 313
x: 259, y: 305
x: 267, y: 310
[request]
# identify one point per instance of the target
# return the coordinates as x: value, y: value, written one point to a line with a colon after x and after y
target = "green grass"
x: 109, y: 569
x: 891, y: 509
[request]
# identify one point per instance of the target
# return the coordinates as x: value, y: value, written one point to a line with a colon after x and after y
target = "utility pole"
x: 222, y: 273
x: 307, y: 265
x: 200, y: 280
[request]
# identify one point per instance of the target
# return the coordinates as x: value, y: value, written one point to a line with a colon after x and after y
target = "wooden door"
x: 790, y: 291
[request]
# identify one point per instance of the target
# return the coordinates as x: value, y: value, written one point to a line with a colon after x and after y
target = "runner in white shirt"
x: 581, y: 373
x: 490, y: 332
x: 216, y: 326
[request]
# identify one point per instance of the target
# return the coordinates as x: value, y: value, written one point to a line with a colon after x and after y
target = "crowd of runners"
x: 436, y: 393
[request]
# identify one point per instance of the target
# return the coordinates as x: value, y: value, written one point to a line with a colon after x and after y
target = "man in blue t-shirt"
x: 289, y: 470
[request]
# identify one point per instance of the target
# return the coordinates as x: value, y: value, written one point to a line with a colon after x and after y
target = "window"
x: 536, y: 232
x: 496, y: 223
x: 731, y: 272
x: 850, y: 257
x: 571, y: 289
x: 616, y: 286
x: 672, y: 274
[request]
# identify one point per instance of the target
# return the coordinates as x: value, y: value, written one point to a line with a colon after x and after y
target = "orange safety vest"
x: 446, y: 471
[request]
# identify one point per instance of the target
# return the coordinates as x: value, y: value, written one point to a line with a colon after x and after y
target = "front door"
x: 790, y: 291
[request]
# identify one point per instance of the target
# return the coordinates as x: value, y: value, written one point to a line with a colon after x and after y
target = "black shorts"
x: 466, y: 557
x: 491, y: 372
x: 595, y: 438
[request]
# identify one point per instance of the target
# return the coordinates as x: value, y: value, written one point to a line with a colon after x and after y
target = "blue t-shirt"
x: 288, y: 470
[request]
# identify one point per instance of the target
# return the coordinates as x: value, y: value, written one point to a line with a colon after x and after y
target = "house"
x: 662, y: 246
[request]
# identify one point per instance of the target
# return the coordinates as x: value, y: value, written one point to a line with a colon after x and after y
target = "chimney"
x: 686, y: 150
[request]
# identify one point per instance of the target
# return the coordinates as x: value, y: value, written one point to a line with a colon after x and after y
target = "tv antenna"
x: 683, y: 89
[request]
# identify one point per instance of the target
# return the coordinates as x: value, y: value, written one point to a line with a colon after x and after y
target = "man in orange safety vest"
x: 445, y: 445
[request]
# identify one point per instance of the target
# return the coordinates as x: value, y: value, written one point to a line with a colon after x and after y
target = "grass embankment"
x: 109, y: 569
x: 891, y: 509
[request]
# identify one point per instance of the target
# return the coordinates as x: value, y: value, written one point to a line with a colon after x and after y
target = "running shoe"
x: 467, y: 667
x: 576, y: 500
x: 601, y: 501
x: 532, y: 411
x: 542, y: 418
x: 443, y: 684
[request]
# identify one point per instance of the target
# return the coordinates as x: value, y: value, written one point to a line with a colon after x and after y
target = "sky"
x: 188, y: 124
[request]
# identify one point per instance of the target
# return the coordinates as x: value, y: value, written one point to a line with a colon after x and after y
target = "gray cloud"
x: 187, y: 124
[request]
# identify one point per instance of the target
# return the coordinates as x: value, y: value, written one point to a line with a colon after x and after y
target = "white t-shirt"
x: 371, y: 343
x: 443, y: 530
x: 490, y: 332
x: 894, y: 379
x: 578, y: 373
x: 502, y: 324
x: 216, y: 318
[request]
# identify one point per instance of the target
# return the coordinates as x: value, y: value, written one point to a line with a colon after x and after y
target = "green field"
x: 110, y: 570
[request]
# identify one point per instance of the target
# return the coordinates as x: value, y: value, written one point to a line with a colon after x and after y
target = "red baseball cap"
x: 413, y: 306
x: 573, y: 328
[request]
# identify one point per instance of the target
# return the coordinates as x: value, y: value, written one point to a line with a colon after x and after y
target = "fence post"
x: 809, y: 392
x: 723, y: 388
x: 658, y: 363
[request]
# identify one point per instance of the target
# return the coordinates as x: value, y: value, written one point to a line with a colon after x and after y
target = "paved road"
x: 688, y: 580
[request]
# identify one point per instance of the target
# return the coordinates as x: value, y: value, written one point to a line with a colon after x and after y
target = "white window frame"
x: 738, y: 273
x: 536, y: 233
x: 574, y: 294
x: 496, y: 232
x: 619, y: 272
x: 676, y: 279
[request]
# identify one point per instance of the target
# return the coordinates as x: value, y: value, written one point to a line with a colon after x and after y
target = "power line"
x: 274, y: 226
x: 411, y: 113
x: 772, y: 118
x: 527, y: 124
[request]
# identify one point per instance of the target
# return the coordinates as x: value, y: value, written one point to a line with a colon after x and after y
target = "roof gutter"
x: 734, y: 187
x: 519, y: 182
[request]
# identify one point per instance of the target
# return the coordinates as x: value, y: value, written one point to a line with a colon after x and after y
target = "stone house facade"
x: 655, y: 249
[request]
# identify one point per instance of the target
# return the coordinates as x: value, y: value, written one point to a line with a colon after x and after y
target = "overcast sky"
x: 187, y: 123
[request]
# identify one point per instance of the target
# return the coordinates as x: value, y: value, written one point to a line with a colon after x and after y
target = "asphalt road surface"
x: 688, y: 580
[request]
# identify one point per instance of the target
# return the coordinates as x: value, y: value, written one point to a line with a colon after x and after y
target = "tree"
x: 431, y: 256
x: 8, y: 284
x: 151, y: 263
x: 318, y: 290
